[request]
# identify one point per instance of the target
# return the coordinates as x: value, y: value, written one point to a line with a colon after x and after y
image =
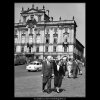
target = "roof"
x: 49, y: 23
x: 79, y: 43
x: 28, y: 11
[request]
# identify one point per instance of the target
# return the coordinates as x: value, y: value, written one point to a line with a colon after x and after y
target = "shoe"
x: 48, y: 92
x: 43, y: 90
x: 57, y: 90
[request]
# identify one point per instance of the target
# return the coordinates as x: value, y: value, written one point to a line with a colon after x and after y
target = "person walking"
x: 69, y: 67
x: 79, y: 67
x: 74, y: 68
x: 59, y: 74
x: 47, y: 74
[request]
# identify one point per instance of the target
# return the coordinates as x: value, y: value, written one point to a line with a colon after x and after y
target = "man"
x: 47, y: 74
x: 64, y: 63
x: 79, y: 67
x: 75, y: 68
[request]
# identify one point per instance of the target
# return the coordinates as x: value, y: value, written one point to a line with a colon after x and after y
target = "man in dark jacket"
x: 75, y: 68
x: 47, y: 74
x: 59, y: 73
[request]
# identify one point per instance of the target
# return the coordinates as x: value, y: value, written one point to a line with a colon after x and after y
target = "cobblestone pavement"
x: 28, y: 84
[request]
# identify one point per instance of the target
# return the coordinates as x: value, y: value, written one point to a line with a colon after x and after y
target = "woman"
x: 59, y: 73
x: 69, y: 67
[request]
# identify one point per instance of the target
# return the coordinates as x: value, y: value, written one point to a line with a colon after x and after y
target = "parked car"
x: 34, y: 66
x: 20, y: 60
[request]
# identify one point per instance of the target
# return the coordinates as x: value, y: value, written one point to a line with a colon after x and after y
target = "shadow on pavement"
x: 60, y: 90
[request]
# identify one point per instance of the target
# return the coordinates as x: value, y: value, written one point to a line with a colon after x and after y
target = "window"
x: 46, y: 49
x: 54, y: 49
x: 65, y: 49
x: 47, y: 40
x: 37, y: 49
x: 22, y: 49
x: 55, y: 40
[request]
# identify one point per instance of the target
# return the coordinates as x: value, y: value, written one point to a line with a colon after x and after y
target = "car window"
x: 38, y: 64
x: 35, y: 64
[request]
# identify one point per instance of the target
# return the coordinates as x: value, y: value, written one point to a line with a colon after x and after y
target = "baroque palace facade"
x: 39, y: 35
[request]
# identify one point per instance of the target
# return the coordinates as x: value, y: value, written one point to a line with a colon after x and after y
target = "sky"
x: 56, y: 10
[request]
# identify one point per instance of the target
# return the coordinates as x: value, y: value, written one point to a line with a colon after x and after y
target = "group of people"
x: 59, y: 69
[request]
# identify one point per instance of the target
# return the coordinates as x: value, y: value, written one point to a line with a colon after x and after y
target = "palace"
x: 39, y: 35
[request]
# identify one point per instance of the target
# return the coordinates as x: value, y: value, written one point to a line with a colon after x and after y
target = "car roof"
x: 35, y: 62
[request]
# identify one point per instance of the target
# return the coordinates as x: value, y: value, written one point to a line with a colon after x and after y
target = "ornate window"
x: 54, y: 48
x: 47, y: 40
x: 22, y: 49
x: 46, y: 49
x: 37, y: 49
x: 65, y: 36
x: 65, y: 49
x: 55, y: 40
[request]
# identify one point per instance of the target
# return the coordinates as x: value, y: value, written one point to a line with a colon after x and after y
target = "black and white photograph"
x: 49, y: 50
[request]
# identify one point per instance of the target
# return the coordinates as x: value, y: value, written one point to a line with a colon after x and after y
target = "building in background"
x: 38, y: 35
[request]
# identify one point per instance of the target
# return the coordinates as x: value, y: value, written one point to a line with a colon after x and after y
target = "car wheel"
x: 28, y: 70
x: 37, y: 69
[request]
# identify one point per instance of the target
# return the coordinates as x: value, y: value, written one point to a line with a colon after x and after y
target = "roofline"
x: 80, y: 43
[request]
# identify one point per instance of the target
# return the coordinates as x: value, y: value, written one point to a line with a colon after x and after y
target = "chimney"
x: 60, y: 19
x: 32, y: 5
x: 37, y: 8
x: 51, y: 18
x: 73, y: 17
x: 43, y: 7
x: 28, y: 9
x: 22, y: 9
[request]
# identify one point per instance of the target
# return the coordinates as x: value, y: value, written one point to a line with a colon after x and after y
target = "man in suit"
x: 75, y: 68
x: 79, y: 67
x: 47, y: 74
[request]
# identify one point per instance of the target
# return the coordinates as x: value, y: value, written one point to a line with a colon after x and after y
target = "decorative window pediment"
x: 66, y: 33
x: 55, y: 35
x: 30, y: 34
x: 47, y: 35
x: 23, y: 34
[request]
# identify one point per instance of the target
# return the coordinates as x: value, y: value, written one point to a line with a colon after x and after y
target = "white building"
x: 39, y: 35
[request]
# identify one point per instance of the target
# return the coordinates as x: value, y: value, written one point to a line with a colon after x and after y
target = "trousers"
x: 46, y: 81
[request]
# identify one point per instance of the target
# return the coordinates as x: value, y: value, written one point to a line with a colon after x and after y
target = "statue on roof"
x: 22, y: 9
x: 43, y: 7
x: 60, y: 18
x: 73, y: 17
